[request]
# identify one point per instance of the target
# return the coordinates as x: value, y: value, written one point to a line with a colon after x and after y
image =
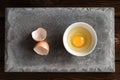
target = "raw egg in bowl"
x: 80, y: 39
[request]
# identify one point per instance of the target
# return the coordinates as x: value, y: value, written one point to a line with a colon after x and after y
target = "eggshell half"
x: 39, y: 34
x: 42, y: 48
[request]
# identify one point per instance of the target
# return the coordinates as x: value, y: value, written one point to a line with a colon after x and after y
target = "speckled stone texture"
x: 20, y: 57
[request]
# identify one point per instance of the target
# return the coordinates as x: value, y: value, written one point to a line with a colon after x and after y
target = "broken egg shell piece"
x: 42, y: 48
x: 39, y: 34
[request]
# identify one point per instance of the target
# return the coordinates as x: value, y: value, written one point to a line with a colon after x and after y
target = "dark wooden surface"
x: 60, y: 3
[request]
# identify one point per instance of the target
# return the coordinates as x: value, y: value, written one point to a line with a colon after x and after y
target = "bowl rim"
x: 65, y: 43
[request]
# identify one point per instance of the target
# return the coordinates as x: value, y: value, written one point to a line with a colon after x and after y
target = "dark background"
x: 60, y: 3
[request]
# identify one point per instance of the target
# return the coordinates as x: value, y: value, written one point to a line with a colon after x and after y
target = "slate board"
x: 20, y: 22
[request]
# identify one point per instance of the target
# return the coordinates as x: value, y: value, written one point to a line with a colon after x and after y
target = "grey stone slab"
x: 20, y: 22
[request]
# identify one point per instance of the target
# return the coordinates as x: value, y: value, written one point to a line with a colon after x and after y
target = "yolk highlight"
x: 78, y: 41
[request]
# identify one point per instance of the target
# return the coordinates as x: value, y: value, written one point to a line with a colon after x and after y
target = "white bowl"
x: 93, y: 43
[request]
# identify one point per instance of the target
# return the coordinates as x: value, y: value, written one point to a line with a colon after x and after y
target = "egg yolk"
x: 78, y: 41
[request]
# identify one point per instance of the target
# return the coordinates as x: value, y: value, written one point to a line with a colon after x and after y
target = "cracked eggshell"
x: 41, y: 48
x: 39, y: 34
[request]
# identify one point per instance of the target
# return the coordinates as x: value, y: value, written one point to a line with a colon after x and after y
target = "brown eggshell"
x: 41, y: 48
x: 39, y: 34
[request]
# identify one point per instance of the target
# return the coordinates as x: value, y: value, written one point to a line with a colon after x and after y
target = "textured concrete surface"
x: 20, y: 22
